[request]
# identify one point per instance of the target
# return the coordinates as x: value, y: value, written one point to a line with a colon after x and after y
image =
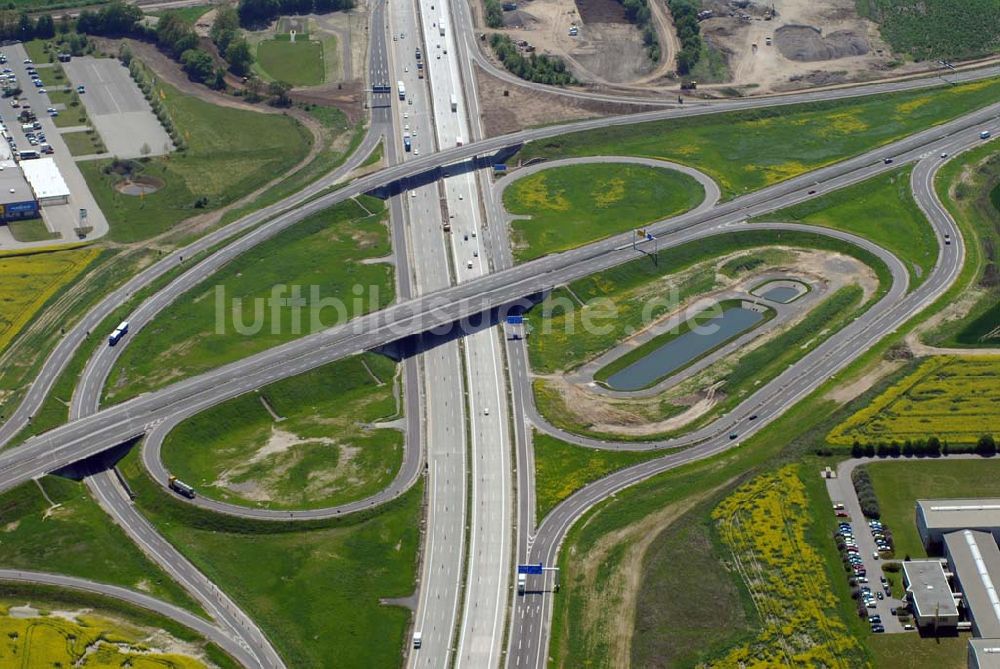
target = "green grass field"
x: 230, y: 153
x: 937, y: 28
x: 881, y: 209
x: 322, y: 452
x: 315, y: 587
x: 954, y: 399
x: 322, y: 254
x: 575, y: 204
x: 33, y: 230
x: 745, y: 151
x: 900, y: 483
x: 562, y: 468
x: 189, y: 15
x: 909, y: 651
x: 73, y: 114
x: 83, y: 143
x: 52, y: 76
x: 299, y: 63
x: 74, y: 536
x: 971, y: 191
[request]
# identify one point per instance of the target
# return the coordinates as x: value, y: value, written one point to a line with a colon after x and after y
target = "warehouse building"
x: 984, y: 654
x: 930, y: 594
x: 938, y: 517
x: 46, y: 181
x: 975, y: 561
x: 17, y: 200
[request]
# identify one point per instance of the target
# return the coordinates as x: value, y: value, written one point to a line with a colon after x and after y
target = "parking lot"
x: 61, y: 218
x: 862, y: 541
x: 117, y: 108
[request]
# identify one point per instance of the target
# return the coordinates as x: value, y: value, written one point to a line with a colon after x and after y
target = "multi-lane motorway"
x: 456, y: 395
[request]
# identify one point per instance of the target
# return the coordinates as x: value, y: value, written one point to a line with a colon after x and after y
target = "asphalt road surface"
x: 116, y: 424
x: 296, y: 211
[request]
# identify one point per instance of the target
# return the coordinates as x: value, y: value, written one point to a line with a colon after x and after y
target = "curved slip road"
x: 79, y: 332
x: 140, y: 599
x: 114, y: 425
x: 530, y: 630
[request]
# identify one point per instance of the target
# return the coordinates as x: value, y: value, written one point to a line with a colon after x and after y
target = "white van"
x: 417, y: 639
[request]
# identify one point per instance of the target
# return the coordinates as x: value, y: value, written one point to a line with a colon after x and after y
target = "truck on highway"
x: 402, y: 90
x: 180, y: 487
x: 407, y: 145
x: 985, y: 134
x: 118, y: 333
x: 459, y: 141
x: 522, y: 581
x: 441, y: 26
x: 454, y: 102
x: 418, y: 639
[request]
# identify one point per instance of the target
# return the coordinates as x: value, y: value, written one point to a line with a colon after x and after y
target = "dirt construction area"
x: 767, y: 46
x: 805, y: 43
x: 606, y: 49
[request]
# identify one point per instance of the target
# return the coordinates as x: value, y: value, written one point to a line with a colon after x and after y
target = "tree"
x: 145, y: 150
x: 198, y: 64
x: 856, y: 449
x: 279, y: 92
x: 986, y: 445
x: 239, y: 56
x: 65, y: 24
x: 45, y: 28
x: 218, y: 81
x: 225, y: 28
x: 125, y: 55
x: 254, y: 87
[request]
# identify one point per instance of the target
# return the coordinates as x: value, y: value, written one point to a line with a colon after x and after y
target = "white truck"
x: 402, y: 90
x: 118, y: 333
x: 454, y: 103
x: 522, y: 581
x: 417, y: 639
x: 441, y: 26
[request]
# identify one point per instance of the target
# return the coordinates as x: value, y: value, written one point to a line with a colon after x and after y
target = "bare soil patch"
x: 601, y: 11
x: 806, y: 44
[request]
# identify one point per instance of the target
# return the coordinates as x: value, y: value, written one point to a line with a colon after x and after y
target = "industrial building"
x: 984, y: 654
x: 968, y: 531
x: 46, y: 181
x: 930, y: 594
x: 937, y: 517
x: 17, y: 200
x: 975, y: 562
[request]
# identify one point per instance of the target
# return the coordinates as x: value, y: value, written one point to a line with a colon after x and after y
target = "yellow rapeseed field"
x: 28, y: 280
x: 763, y: 524
x: 954, y: 399
x: 88, y: 641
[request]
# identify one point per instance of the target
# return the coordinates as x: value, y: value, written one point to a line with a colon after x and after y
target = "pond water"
x: 682, y: 350
x: 782, y: 294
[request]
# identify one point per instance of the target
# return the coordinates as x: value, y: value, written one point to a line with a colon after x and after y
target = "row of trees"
x: 494, y: 13
x: 863, y: 485
x: 638, y: 12
x: 231, y: 44
x: 20, y: 26
x: 540, y: 69
x: 685, y: 13
x: 255, y: 13
x: 932, y: 447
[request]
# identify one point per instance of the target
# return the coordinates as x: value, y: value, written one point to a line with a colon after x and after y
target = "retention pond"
x: 684, y: 349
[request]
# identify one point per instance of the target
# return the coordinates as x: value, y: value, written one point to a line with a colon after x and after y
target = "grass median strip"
x: 573, y: 205
x: 316, y: 266
x: 310, y: 441
x: 63, y: 530
x: 881, y: 209
x: 748, y: 150
x: 316, y: 588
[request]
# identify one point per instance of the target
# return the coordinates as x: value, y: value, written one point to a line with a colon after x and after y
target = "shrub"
x: 866, y: 492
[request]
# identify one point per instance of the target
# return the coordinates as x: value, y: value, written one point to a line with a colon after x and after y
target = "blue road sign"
x: 499, y: 167
x: 649, y: 237
x: 515, y: 320
x: 530, y: 568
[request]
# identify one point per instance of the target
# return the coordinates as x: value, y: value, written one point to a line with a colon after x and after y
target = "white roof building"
x: 46, y: 180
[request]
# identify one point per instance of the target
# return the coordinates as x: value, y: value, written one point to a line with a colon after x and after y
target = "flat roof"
x: 13, y: 186
x: 987, y: 652
x: 960, y: 513
x: 976, y: 561
x: 45, y: 178
x: 929, y: 587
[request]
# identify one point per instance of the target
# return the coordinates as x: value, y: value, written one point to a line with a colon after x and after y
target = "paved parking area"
x: 117, y: 108
x: 62, y: 218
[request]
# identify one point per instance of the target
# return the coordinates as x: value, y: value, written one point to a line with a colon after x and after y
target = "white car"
x: 486, y: 411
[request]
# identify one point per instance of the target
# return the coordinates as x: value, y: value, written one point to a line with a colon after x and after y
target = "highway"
x: 295, y: 211
x: 116, y: 424
x: 209, y: 631
x: 529, y: 638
